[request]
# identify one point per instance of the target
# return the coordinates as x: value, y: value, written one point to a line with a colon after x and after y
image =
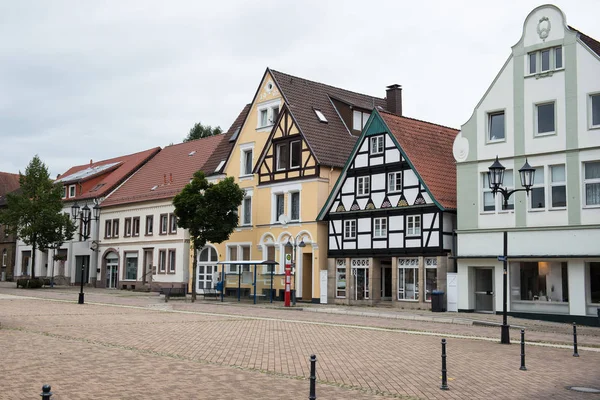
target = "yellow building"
x: 287, y: 156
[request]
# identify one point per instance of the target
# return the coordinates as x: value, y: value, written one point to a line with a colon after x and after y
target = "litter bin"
x: 437, y: 301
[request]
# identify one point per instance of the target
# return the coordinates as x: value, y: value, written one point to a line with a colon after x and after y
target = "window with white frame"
x: 263, y: 117
x: 4, y: 257
x: 394, y: 182
x: 247, y: 211
x: 591, y: 183
x: 350, y: 229
x: 64, y: 196
x: 172, y: 223
x: 295, y: 206
x: 363, y: 185
x: 594, y: 111
x: 408, y: 279
x: 279, y: 206
x: 236, y: 253
x: 496, y: 126
x: 359, y: 119
x: 127, y: 228
x: 340, y: 278
x: 131, y: 266
x: 72, y: 191
x: 545, y: 119
x: 538, y: 190
x: 108, y: 228
x: 376, y: 146
x: 162, y: 261
x: 430, y: 277
x: 281, y: 155
x: 545, y: 60
x: 413, y: 225
x: 270, y: 268
x: 295, y: 154
x: 172, y: 261
x: 232, y: 255
x: 380, y: 227
x: 164, y: 223
x: 558, y: 186
x: 489, y: 200
x: 247, y: 161
x: 268, y: 114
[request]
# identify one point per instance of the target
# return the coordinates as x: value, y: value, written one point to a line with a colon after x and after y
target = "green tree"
x: 34, y: 213
x: 208, y: 211
x: 200, y: 131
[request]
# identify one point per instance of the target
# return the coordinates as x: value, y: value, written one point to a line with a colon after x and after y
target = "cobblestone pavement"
x: 140, y: 347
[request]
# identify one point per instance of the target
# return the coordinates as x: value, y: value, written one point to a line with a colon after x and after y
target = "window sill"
x: 540, y: 135
x: 496, y: 141
x: 591, y: 206
x: 496, y: 212
x: 243, y: 228
x: 557, y: 209
x: 376, y: 154
x: 266, y: 128
x: 379, y: 237
x: 246, y: 177
x: 536, y: 210
x: 414, y: 236
x: 409, y: 300
x: 594, y: 128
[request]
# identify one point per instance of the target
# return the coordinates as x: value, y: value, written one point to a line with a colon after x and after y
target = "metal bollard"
x: 313, y: 377
x: 444, y: 371
x: 575, y: 353
x: 46, y: 393
x: 523, y: 368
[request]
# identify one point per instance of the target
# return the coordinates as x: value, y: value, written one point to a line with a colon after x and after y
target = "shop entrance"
x: 484, y: 290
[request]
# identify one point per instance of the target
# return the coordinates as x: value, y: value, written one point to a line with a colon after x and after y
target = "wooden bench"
x: 211, y: 292
x: 173, y: 292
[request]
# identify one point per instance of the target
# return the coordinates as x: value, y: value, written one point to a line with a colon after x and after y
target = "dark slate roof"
x: 331, y: 142
x: 8, y: 182
x: 590, y: 42
x: 429, y: 149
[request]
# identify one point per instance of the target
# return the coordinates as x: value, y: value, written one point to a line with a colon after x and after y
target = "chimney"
x: 394, y: 99
x: 91, y: 162
x: 165, y: 179
x: 170, y: 177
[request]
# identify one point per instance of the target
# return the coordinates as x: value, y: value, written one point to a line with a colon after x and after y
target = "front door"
x: 205, y: 277
x: 361, y: 283
x: 484, y: 290
x: 82, y: 267
x: 147, y: 267
x: 386, y: 281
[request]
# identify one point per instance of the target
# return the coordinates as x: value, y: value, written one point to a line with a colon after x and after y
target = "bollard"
x: 313, y: 377
x: 46, y: 393
x: 444, y: 376
x: 523, y: 368
x: 575, y: 353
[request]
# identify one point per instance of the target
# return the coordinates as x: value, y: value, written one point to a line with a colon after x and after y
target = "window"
x: 108, y: 228
x: 363, y: 186
x: 595, y: 110
x: 127, y: 231
x: 591, y: 183
x: 131, y: 266
x: 408, y: 279
x: 64, y: 196
x: 538, y: 191
x: 413, y: 225
x: 340, y: 278
x: 281, y: 156
x: 430, y: 277
x: 247, y: 211
x: 72, y: 191
x: 115, y: 224
x: 4, y: 257
x: 239, y: 252
x: 539, y: 281
x: 279, y: 206
x: 270, y: 268
x: 594, y: 282
x: 149, y: 225
x: 545, y: 118
x: 320, y: 116
x: 268, y: 114
x: 164, y: 224
x: 359, y: 120
x: 295, y: 199
x: 247, y: 161
x: 350, y: 229
x: 380, y: 230
x: 264, y: 117
x: 558, y: 186
x: 84, y: 230
x: 274, y: 114
x: 172, y: 223
x: 496, y: 130
x: 395, y: 182
x: 295, y: 154
x: 232, y: 256
x: 172, y: 261
x: 376, y: 145
x: 489, y: 201
x: 136, y: 226
x: 545, y: 60
x: 162, y: 261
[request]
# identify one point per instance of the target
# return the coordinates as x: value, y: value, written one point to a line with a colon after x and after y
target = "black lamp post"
x: 294, y: 246
x: 495, y: 178
x: 86, y: 217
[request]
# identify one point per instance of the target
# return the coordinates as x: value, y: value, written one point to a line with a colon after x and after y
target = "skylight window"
x: 154, y: 187
x: 220, y: 166
x: 235, y: 135
x: 320, y: 116
x: 192, y: 153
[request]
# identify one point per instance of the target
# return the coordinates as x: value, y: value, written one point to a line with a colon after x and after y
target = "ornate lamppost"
x: 294, y: 245
x: 495, y: 178
x: 86, y: 217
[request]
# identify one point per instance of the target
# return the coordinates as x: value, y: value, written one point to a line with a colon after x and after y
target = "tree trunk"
x: 33, y: 259
x: 194, y: 266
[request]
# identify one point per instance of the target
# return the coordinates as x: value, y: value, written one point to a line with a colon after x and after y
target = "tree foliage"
x: 200, y: 131
x: 34, y: 213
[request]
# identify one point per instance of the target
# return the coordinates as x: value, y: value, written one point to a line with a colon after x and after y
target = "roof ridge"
x: 222, y: 134
x: 113, y: 158
x: 330, y: 86
x: 589, y: 41
x: 416, y: 119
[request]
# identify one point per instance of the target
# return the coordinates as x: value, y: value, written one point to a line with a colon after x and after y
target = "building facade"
x: 8, y: 242
x: 543, y: 107
x: 391, y: 214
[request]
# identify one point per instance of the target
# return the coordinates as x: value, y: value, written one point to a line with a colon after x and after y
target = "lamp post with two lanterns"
x: 86, y: 215
x: 495, y: 179
x: 294, y: 245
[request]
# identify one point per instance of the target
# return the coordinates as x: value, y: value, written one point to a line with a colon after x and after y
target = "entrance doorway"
x: 484, y: 290
x: 361, y: 283
x: 82, y: 264
x: 386, y: 280
x: 307, y: 270
x: 207, y: 269
x: 112, y: 271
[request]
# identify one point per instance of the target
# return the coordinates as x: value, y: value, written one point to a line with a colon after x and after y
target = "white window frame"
x: 72, y: 191
x: 64, y: 196
x: 591, y: 96
x: 320, y: 115
x: 4, y: 257
x: 172, y: 261
x: 491, y: 114
x: 274, y: 210
x: 243, y: 213
x: 245, y: 149
x: 239, y: 249
x: 406, y: 264
x: 536, y: 119
x: 363, y: 185
x: 281, y: 148
x: 290, y: 205
x: 268, y: 106
x: 498, y: 200
x: 539, y: 170
x: 538, y: 61
x: 291, y: 145
x: 376, y: 145
x: 381, y: 231
x: 350, y: 229
x: 340, y: 268
x: 430, y: 264
x: 586, y: 182
x: 413, y: 225
x: 393, y: 186
x: 552, y: 184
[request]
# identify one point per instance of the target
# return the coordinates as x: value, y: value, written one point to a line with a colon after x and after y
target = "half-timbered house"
x: 391, y: 214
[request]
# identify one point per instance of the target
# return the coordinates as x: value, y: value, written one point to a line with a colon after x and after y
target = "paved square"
x: 138, y: 347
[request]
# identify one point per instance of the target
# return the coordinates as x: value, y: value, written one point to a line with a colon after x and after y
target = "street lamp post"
x: 495, y: 178
x: 294, y: 246
x: 86, y: 217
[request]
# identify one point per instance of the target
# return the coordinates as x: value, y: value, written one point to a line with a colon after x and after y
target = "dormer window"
x: 72, y: 191
x: 545, y: 60
x: 64, y: 196
x: 359, y: 120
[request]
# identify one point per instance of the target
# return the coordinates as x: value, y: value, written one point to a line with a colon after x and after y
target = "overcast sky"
x: 83, y: 80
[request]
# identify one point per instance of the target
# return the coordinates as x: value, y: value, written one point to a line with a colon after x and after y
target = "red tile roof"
x: 101, y: 184
x: 8, y: 182
x: 590, y: 42
x: 429, y: 148
x: 166, y: 174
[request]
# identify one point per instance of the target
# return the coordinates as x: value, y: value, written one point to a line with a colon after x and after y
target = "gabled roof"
x: 97, y: 179
x: 223, y: 151
x: 8, y: 182
x: 330, y: 142
x: 428, y: 148
x: 590, y: 42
